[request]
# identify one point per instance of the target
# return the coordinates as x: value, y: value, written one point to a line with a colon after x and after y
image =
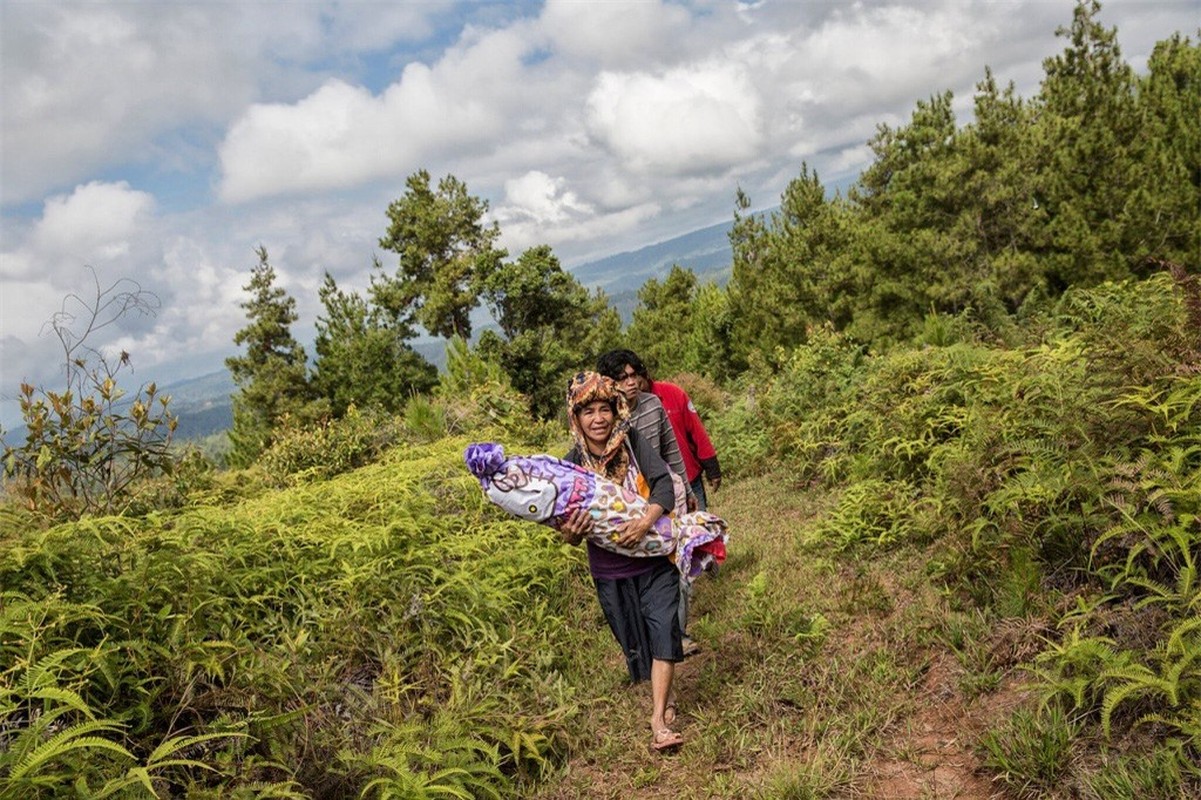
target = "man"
x: 649, y: 417
x: 700, y: 458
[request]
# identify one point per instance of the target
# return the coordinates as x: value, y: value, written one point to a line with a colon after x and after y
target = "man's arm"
x: 702, y: 446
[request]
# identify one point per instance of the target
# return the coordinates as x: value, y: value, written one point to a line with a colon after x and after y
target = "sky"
x: 163, y: 142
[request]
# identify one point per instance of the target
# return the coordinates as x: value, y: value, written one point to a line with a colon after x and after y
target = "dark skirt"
x: 642, y: 613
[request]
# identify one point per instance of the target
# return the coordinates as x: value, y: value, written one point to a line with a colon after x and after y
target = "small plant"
x: 88, y: 446
x: 1031, y: 751
x: 1157, y: 775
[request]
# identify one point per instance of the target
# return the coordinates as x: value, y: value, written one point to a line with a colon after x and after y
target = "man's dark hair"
x: 613, y: 363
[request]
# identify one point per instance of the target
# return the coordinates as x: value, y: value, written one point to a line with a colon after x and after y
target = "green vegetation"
x: 272, y: 376
x: 959, y: 414
x: 549, y: 326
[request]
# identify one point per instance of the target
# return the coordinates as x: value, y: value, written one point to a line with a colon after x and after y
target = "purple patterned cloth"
x: 545, y: 489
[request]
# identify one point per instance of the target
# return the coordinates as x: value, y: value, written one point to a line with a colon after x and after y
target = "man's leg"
x: 698, y: 490
x: 690, y: 647
x: 685, y: 601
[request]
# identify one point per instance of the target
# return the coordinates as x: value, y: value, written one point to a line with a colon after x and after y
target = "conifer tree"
x: 444, y: 248
x: 550, y: 325
x: 272, y: 375
x: 1087, y: 125
x: 362, y: 359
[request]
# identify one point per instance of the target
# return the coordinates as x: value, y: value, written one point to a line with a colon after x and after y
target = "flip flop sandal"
x: 666, y: 740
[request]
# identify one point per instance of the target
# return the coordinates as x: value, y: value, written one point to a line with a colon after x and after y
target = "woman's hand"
x: 576, y: 526
x: 630, y: 533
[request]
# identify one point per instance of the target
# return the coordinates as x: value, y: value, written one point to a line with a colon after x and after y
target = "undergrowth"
x: 385, y: 633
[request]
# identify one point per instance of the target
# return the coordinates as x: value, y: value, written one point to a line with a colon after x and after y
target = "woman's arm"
x: 663, y: 495
x: 654, y: 471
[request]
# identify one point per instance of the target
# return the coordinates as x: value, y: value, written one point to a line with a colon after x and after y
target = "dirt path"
x: 933, y: 754
x: 823, y: 675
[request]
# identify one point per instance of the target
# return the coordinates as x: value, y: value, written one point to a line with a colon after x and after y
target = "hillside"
x: 962, y: 570
x: 958, y: 416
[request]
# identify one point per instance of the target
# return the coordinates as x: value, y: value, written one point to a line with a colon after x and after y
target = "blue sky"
x: 164, y: 141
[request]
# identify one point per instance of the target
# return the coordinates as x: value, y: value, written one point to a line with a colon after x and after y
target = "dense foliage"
x: 272, y: 373
x: 549, y: 326
x: 364, y: 357
x: 1060, y: 480
x: 1093, y: 179
x: 383, y: 632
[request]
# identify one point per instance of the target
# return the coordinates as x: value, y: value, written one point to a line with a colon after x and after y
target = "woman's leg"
x: 660, y: 594
x: 621, y: 604
x: 662, y: 675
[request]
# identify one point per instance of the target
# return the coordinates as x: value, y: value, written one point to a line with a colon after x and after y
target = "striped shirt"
x: 650, y: 420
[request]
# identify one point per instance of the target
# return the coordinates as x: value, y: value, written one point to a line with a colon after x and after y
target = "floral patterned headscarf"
x: 582, y: 389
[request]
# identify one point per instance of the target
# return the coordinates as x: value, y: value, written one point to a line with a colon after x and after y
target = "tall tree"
x: 662, y: 321
x: 787, y: 269
x: 681, y: 325
x: 271, y: 376
x: 444, y: 248
x: 910, y: 258
x: 1162, y: 213
x: 550, y: 325
x: 1087, y: 118
x: 362, y: 358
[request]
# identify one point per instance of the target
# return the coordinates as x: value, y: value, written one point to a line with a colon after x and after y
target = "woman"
x: 639, y: 596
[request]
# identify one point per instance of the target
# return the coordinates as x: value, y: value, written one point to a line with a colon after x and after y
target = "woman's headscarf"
x: 582, y: 389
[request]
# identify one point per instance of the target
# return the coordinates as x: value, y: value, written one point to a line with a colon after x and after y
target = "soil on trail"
x: 929, y: 754
x: 932, y: 755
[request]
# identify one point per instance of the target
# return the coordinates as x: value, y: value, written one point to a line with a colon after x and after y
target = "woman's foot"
x: 666, y: 739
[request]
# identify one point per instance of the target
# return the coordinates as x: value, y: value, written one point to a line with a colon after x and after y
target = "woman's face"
x: 596, y: 423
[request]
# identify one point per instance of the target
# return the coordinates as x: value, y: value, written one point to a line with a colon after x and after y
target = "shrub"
x: 329, y: 448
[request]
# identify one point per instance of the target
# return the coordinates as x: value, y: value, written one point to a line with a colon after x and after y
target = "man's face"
x: 629, y: 383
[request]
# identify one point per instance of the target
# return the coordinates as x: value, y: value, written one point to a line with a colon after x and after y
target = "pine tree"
x: 362, y: 359
x: 272, y: 376
x: 550, y: 326
x: 444, y: 248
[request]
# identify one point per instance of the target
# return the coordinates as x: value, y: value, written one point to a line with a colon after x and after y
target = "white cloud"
x: 343, y: 135
x: 98, y: 222
x: 89, y: 84
x: 541, y: 199
x: 108, y: 227
x: 616, y: 32
x: 594, y: 127
x: 685, y: 121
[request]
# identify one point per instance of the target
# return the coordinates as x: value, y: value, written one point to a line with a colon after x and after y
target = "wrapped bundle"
x: 545, y: 489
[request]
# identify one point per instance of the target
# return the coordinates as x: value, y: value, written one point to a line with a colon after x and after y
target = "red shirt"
x: 687, y: 426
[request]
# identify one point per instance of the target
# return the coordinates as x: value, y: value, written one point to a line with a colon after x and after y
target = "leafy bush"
x: 329, y: 448
x: 386, y: 631
x: 88, y: 447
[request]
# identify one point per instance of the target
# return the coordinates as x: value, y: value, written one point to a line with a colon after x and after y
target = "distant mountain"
x: 202, y: 404
x: 706, y: 252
